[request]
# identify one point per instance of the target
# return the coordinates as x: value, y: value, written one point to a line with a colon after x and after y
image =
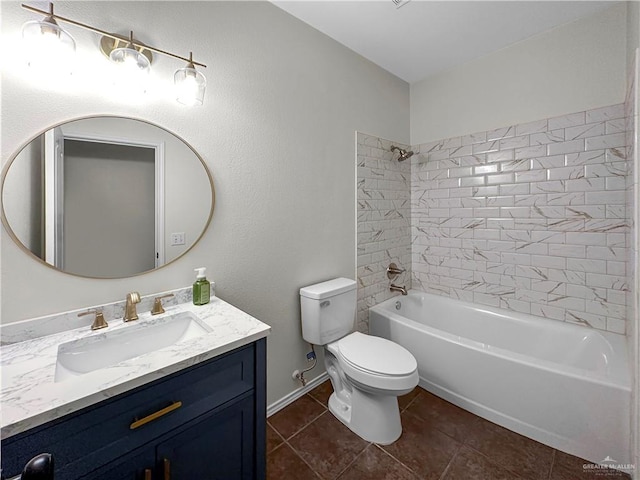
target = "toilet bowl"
x: 367, y: 373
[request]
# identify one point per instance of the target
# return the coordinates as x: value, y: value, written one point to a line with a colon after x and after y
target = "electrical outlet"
x: 177, y: 238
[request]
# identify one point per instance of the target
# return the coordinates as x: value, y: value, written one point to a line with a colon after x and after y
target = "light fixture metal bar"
x: 107, y: 34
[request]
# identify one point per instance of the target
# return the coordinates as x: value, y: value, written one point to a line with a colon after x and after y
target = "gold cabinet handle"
x: 147, y: 474
x: 167, y: 469
x: 154, y: 416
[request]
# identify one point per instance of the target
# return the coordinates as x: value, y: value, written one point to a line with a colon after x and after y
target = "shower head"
x: 404, y: 154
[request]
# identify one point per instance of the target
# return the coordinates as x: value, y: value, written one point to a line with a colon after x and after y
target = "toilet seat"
x: 376, y: 362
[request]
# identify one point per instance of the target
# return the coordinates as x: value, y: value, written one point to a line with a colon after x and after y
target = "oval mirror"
x: 106, y: 197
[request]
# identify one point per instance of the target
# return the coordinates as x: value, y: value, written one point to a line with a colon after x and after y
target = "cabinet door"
x: 137, y: 466
x: 220, y: 447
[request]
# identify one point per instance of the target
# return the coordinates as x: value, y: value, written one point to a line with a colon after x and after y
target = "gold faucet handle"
x: 157, y: 304
x: 99, y: 321
x: 130, y: 312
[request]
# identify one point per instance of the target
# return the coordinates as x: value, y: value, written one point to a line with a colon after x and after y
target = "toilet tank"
x: 328, y: 310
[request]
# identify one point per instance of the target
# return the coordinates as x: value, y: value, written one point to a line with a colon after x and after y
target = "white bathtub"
x: 564, y: 385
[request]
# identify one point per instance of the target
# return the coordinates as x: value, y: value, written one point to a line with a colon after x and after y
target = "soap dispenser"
x: 201, y: 288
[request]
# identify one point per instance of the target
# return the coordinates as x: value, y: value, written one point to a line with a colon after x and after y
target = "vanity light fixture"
x: 47, y: 43
x: 190, y: 84
x: 126, y: 52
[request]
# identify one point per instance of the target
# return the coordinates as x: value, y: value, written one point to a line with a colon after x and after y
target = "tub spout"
x: 396, y: 288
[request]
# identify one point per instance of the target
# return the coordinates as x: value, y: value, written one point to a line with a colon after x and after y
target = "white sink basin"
x: 112, y: 347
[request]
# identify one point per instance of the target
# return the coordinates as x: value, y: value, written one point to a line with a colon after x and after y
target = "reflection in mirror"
x: 106, y: 197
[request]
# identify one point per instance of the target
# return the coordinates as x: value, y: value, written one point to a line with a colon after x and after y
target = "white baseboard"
x: 296, y: 394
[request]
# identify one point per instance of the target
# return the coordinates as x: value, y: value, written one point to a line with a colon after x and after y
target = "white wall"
x: 571, y: 68
x: 277, y: 131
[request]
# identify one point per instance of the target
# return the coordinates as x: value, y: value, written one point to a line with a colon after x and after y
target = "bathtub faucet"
x: 396, y: 288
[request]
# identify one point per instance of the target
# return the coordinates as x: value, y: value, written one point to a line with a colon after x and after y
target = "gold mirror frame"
x: 18, y: 242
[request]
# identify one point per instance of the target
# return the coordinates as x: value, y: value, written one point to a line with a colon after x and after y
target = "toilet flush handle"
x: 326, y: 303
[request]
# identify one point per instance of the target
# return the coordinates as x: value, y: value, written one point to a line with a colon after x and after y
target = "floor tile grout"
x: 278, y: 434
x: 497, y: 461
x: 409, y: 404
x: 465, y: 444
x: 453, y: 457
x: 318, y: 401
x: 553, y: 463
x: 301, y: 428
x: 352, y: 461
x: 286, y: 441
x: 295, y: 452
x: 381, y: 447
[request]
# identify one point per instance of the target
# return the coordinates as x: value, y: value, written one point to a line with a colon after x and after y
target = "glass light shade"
x: 190, y: 86
x: 130, y: 59
x: 48, y: 46
x: 131, y: 71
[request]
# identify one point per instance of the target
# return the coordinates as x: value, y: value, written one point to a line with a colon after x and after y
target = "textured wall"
x: 384, y: 223
x: 529, y: 217
x: 577, y: 66
x: 276, y: 130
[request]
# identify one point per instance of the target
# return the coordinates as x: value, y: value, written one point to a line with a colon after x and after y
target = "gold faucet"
x: 157, y: 304
x: 130, y: 308
x: 98, y: 322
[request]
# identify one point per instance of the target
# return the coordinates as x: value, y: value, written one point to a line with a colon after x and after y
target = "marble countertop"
x: 31, y: 396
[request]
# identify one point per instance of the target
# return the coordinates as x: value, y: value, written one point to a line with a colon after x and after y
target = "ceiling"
x: 424, y: 37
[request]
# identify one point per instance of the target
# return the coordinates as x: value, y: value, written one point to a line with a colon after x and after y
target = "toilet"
x: 367, y: 373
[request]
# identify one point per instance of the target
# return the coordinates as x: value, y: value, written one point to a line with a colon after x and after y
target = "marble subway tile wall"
x: 384, y: 221
x: 529, y: 217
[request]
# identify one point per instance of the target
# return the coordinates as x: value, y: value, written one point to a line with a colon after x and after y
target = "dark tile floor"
x: 439, y: 442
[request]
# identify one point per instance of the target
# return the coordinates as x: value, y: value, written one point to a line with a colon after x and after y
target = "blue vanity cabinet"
x: 225, y: 453
x: 136, y: 466
x: 218, y: 446
x: 213, y: 427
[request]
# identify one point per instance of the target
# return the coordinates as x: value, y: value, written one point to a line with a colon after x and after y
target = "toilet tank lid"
x: 328, y: 289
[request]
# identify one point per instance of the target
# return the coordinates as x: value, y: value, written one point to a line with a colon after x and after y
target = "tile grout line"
x: 400, y: 462
x: 295, y: 452
x: 352, y: 461
x: 437, y: 428
x: 446, y: 470
x: 279, y: 436
x: 326, y: 407
x: 494, y: 462
x: 553, y: 463
x: 410, y: 402
x: 301, y: 428
x: 464, y: 443
x: 286, y: 441
x: 453, y: 457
